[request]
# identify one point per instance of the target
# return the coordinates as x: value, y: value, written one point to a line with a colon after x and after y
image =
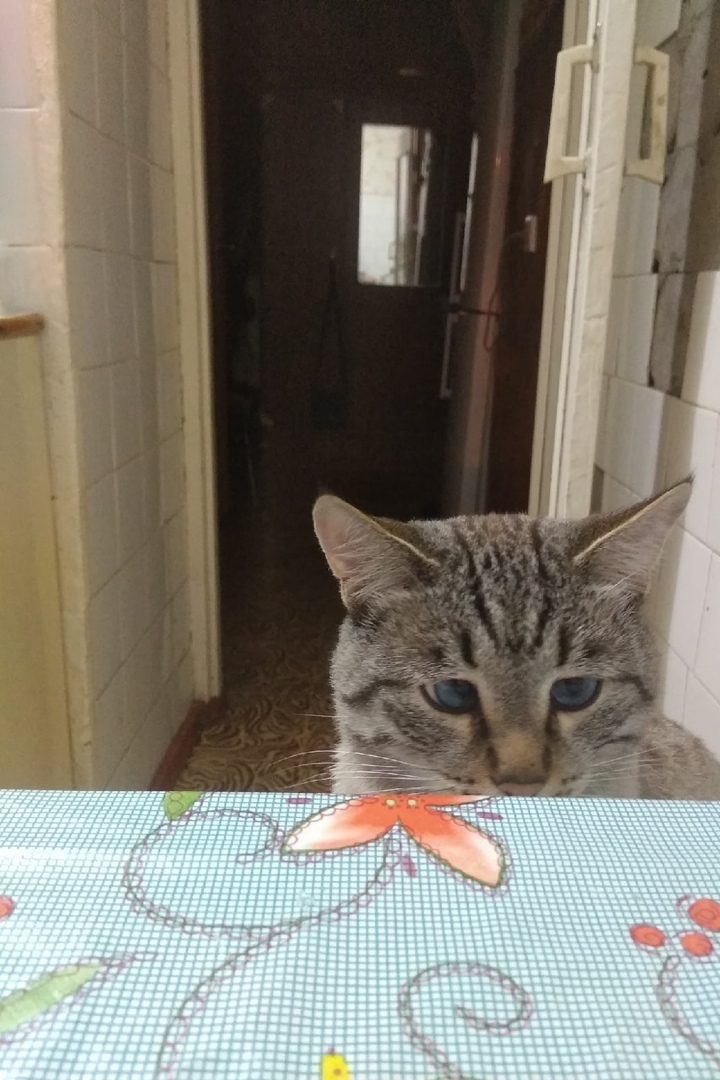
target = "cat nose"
x: 522, y: 789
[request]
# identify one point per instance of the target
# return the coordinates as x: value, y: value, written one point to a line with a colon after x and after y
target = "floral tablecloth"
x: 247, y: 935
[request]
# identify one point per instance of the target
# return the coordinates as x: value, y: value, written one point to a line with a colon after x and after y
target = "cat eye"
x: 572, y: 694
x: 452, y: 696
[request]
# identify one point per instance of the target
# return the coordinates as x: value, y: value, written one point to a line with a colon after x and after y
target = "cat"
x: 504, y: 655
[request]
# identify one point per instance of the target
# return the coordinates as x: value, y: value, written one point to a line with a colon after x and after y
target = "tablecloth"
x: 248, y: 935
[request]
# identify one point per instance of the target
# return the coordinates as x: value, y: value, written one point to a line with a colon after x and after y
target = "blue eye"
x: 571, y: 694
x: 453, y: 696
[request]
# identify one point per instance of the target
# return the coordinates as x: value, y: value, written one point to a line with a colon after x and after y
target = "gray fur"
x: 511, y: 604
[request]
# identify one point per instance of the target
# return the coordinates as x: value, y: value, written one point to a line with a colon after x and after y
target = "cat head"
x: 495, y: 654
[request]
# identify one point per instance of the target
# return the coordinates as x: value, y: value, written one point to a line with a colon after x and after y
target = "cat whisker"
x: 605, y: 766
x: 338, y: 753
x: 366, y: 770
x: 638, y: 756
x: 330, y: 754
x: 363, y: 768
x: 623, y: 770
x: 623, y: 759
x: 324, y: 770
x: 303, y: 785
x: 600, y: 770
x: 305, y: 771
x: 398, y: 784
x: 639, y: 752
x: 384, y: 757
x: 613, y: 770
x: 623, y: 774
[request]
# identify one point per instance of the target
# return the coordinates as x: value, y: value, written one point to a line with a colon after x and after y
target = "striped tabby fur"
x: 509, y: 604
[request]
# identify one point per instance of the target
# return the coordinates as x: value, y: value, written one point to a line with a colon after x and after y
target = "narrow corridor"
x: 281, y: 612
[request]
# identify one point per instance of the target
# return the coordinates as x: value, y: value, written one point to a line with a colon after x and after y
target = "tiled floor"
x: 281, y: 612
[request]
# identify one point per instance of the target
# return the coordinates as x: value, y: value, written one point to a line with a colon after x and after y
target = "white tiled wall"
x: 649, y: 439
x: 20, y: 225
x: 120, y: 232
x: 93, y: 248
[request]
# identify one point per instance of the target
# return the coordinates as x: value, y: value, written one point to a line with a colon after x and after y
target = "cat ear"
x: 369, y: 556
x: 621, y: 550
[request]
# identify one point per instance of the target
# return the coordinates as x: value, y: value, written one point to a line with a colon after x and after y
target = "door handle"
x: 652, y: 168
x: 450, y: 324
x: 557, y: 162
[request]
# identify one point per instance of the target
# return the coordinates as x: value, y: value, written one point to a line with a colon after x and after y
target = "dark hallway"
x: 325, y: 376
x: 332, y: 329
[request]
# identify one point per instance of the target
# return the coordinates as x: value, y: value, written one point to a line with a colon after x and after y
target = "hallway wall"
x: 124, y: 340
x: 90, y: 175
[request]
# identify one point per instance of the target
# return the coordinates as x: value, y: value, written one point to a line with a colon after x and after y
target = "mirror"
x: 400, y: 205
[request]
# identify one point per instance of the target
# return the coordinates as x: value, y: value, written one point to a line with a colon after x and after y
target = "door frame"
x: 185, y: 62
x: 583, y: 224
x: 185, y: 66
x: 565, y: 200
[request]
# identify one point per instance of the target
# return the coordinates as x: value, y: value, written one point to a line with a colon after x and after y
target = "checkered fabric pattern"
x: 178, y: 937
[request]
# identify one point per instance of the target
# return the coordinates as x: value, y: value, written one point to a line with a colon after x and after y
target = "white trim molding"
x: 185, y: 61
x: 581, y: 246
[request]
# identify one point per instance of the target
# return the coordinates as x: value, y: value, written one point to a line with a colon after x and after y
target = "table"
x: 248, y: 935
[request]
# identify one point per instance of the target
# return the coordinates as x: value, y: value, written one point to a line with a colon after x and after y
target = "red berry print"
x: 706, y: 913
x: 7, y: 906
x: 696, y: 944
x: 645, y: 934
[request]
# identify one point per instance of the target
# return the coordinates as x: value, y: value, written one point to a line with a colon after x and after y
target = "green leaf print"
x: 23, y: 1005
x: 176, y: 803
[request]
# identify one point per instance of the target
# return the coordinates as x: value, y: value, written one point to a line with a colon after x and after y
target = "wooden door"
x: 392, y: 457
x: 522, y: 275
x: 329, y: 68
x: 387, y: 455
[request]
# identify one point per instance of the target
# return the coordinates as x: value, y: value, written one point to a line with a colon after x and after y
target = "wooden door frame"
x: 185, y: 64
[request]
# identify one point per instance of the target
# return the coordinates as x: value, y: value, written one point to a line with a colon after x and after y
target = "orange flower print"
x: 681, y: 951
x: 452, y: 841
x: 644, y: 934
x: 696, y: 944
x: 706, y: 913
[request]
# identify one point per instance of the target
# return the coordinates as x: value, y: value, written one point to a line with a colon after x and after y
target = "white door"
x: 586, y: 162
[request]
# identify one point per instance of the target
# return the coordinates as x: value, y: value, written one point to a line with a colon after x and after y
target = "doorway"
x: 327, y: 127
x: 332, y: 216
x: 324, y: 121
